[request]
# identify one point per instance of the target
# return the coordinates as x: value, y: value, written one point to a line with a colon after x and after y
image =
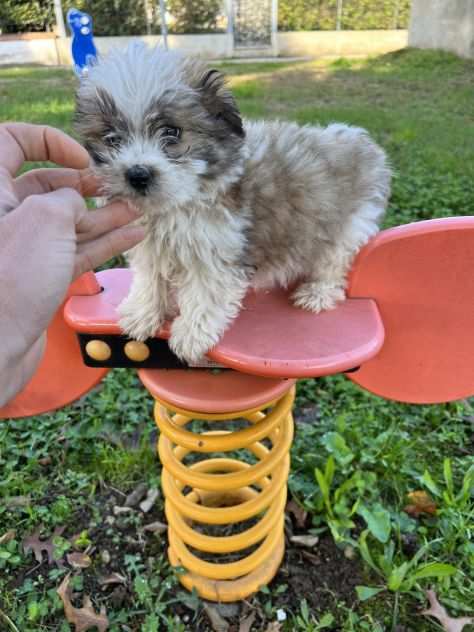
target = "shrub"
x: 129, y: 17
x: 121, y: 17
x: 306, y: 15
x: 17, y: 16
x: 194, y: 16
x: 381, y: 14
x: 314, y: 15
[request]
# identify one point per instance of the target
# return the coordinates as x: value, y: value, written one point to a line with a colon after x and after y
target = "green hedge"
x: 306, y: 15
x: 128, y: 17
x: 194, y: 16
x: 315, y: 15
x: 18, y: 16
x: 120, y: 17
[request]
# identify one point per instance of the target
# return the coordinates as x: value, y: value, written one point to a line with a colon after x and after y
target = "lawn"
x: 356, y: 459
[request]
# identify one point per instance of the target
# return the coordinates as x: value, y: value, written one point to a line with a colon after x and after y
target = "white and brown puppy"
x: 228, y: 204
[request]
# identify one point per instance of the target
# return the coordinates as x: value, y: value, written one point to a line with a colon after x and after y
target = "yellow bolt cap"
x: 137, y: 351
x: 98, y: 350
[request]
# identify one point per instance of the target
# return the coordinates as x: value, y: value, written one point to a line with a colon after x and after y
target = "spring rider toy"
x: 405, y: 332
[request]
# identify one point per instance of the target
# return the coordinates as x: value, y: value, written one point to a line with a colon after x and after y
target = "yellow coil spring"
x: 225, y: 491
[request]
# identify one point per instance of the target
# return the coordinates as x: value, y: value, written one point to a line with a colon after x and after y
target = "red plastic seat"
x: 270, y: 337
x: 422, y: 277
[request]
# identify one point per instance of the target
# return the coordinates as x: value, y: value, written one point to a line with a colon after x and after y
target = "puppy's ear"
x: 96, y: 113
x: 218, y: 100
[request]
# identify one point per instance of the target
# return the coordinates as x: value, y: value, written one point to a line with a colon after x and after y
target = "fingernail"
x: 133, y: 207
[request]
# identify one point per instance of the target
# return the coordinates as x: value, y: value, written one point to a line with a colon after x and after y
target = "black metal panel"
x: 161, y: 356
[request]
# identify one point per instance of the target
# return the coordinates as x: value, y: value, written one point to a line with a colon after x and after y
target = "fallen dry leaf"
x: 79, y: 560
x: 246, y: 624
x: 122, y: 510
x: 218, y: 623
x: 83, y: 618
x: 438, y: 611
x: 156, y: 527
x: 113, y: 579
x: 274, y: 626
x: 314, y: 559
x: 119, y: 596
x: 307, y: 541
x: 298, y: 513
x: 136, y: 495
x: 33, y: 543
x: 17, y: 501
x: 420, y: 503
x: 150, y: 499
x: 7, y: 537
x: 228, y: 610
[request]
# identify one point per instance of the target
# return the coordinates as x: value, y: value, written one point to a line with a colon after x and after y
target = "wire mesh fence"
x: 140, y: 17
x: 315, y: 15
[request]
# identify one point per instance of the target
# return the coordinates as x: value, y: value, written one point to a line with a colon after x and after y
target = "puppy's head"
x: 161, y: 129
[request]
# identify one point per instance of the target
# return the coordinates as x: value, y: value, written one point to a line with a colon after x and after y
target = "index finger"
x: 21, y: 142
x: 46, y: 180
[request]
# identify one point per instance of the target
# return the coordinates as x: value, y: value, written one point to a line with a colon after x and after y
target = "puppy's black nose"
x: 139, y: 177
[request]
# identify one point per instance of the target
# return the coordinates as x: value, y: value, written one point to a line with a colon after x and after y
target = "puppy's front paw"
x: 137, y: 322
x: 190, y: 342
x: 318, y: 296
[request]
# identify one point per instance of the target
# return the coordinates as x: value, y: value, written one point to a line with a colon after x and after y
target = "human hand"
x: 48, y: 237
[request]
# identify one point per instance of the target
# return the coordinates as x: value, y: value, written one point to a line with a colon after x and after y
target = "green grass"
x: 74, y: 465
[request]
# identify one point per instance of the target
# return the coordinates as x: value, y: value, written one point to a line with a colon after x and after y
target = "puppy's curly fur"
x: 228, y: 205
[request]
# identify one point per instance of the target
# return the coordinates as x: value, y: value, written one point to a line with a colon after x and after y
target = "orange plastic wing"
x: 422, y: 277
x: 61, y: 377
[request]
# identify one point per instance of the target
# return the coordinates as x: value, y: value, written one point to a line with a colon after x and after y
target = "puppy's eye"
x: 173, y: 133
x: 112, y: 140
x: 97, y: 157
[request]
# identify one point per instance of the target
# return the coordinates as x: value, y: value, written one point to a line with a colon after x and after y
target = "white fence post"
x: 164, y: 27
x: 148, y: 8
x: 396, y: 14
x: 275, y: 27
x: 339, y: 15
x: 58, y: 14
x: 229, y: 9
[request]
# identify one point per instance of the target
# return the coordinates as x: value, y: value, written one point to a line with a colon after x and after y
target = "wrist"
x: 17, y: 369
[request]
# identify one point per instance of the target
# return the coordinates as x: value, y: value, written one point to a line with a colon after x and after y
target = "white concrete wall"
x: 444, y: 24
x: 28, y: 51
x: 209, y: 46
x: 340, y: 43
x: 214, y: 46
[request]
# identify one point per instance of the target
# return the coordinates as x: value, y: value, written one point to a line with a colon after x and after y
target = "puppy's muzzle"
x: 140, y: 177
